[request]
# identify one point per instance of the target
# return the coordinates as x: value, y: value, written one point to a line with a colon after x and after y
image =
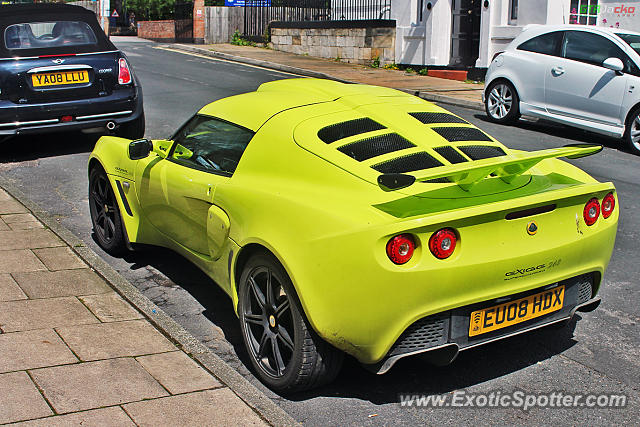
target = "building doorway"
x: 465, y: 32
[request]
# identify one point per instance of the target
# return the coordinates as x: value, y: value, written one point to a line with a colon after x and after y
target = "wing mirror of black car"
x: 614, y: 64
x: 140, y: 149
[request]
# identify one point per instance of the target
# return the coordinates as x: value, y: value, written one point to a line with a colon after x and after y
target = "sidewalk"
x: 73, y: 352
x: 430, y: 88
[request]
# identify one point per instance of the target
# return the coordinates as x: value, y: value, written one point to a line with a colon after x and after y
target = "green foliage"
x: 237, y: 40
x: 151, y: 10
x: 214, y: 2
x: 410, y: 70
x: 375, y: 63
x: 392, y: 66
x: 423, y: 71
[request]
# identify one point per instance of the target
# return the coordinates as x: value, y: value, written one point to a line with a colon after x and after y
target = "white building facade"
x: 467, y: 33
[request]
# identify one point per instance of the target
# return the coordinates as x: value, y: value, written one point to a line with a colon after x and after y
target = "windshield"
x: 48, y: 34
x: 632, y: 40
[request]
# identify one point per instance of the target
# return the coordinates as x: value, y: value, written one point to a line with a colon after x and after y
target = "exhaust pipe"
x: 111, y: 125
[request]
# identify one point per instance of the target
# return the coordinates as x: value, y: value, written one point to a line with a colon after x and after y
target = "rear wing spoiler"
x: 467, y: 174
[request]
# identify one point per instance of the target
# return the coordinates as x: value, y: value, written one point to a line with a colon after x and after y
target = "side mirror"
x: 140, y: 149
x: 614, y: 64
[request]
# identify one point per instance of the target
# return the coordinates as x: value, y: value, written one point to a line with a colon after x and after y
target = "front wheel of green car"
x: 105, y: 214
x: 285, y: 352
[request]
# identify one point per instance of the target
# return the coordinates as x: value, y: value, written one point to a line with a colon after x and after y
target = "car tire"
x: 105, y: 213
x: 133, y: 129
x: 632, y: 132
x: 285, y: 352
x: 502, y: 103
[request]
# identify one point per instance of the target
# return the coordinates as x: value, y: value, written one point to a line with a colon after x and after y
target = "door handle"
x: 558, y: 71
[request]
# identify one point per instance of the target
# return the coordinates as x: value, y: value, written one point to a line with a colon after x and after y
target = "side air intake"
x: 479, y: 152
x: 430, y: 118
x: 455, y: 134
x: 410, y: 163
x: 450, y: 154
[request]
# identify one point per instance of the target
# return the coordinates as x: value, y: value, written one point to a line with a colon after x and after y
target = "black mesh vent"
x: 584, y: 291
x: 479, y: 152
x: 450, y: 154
x: 342, y: 130
x: 375, y: 146
x: 438, y: 181
x: 412, y: 162
x: 423, y: 334
x: 429, y: 118
x: 462, y: 134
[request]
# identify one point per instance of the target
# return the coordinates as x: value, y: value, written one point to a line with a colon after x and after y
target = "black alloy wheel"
x: 105, y: 214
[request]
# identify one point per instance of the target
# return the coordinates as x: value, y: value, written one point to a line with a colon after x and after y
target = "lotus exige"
x: 362, y: 220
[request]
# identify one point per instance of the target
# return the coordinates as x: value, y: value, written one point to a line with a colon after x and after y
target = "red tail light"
x: 591, y: 211
x: 608, y: 203
x: 400, y: 248
x: 124, y: 75
x: 442, y: 243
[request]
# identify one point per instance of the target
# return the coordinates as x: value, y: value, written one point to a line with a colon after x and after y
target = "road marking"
x: 227, y: 61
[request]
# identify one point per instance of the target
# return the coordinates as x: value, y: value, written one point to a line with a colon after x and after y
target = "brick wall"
x: 160, y: 31
x: 354, y: 45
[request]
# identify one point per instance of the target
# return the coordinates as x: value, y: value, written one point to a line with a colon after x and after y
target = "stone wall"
x: 359, y: 42
x: 159, y: 31
x: 221, y: 22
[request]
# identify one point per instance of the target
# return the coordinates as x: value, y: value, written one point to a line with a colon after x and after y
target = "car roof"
x: 536, y: 29
x: 28, y: 8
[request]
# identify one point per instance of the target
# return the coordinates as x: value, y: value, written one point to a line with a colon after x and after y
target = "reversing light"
x: 591, y: 211
x: 124, y: 75
x: 400, y: 248
x: 442, y: 243
x: 608, y: 203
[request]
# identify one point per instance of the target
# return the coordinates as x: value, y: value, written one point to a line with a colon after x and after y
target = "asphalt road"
x: 598, y: 354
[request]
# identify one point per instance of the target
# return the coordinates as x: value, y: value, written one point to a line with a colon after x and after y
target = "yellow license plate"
x: 513, y: 312
x: 60, y: 78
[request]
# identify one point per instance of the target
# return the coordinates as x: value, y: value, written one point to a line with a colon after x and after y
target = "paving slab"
x: 21, y: 217
x: 60, y: 258
x: 28, y: 239
x: 19, y: 260
x: 29, y: 225
x: 33, y: 349
x: 96, y: 384
x: 49, y: 284
x: 20, y: 399
x: 9, y: 289
x: 110, y: 307
x: 177, y: 372
x: 43, y: 313
x: 106, y: 340
x: 10, y: 206
x: 218, y: 407
x: 112, y: 417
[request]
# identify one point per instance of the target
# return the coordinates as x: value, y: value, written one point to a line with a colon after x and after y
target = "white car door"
x: 578, y: 86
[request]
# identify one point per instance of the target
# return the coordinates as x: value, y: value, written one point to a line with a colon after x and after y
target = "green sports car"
x: 362, y: 220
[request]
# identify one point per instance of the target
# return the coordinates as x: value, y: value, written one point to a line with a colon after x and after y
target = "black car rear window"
x: 38, y: 35
x: 546, y: 44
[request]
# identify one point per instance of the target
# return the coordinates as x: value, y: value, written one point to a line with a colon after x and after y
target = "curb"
x: 254, y: 398
x: 474, y: 105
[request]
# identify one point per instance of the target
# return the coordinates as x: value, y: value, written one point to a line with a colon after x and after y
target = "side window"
x: 546, y: 44
x: 210, y: 145
x: 594, y: 49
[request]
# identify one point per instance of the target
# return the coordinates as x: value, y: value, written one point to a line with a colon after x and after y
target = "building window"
x: 584, y: 12
x: 514, y: 10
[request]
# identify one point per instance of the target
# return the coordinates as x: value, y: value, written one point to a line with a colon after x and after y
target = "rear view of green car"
x: 362, y: 220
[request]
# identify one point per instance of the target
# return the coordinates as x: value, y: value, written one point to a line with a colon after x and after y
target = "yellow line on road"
x: 225, y: 60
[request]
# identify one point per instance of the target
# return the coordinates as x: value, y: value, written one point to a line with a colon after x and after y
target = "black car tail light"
x: 124, y: 74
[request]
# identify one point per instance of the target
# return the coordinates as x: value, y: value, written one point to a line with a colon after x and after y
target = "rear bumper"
x: 120, y: 107
x: 444, y: 335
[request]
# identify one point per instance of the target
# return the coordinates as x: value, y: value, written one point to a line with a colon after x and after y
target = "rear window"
x: 546, y: 44
x: 38, y: 35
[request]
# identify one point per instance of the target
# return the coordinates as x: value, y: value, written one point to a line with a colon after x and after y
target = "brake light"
x: 442, y: 243
x: 400, y: 248
x: 591, y: 211
x: 608, y: 203
x: 124, y: 75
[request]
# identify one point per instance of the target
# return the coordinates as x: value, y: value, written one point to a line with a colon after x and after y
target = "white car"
x: 587, y: 77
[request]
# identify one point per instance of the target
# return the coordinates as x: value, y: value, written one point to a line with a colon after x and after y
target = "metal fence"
x: 259, y: 13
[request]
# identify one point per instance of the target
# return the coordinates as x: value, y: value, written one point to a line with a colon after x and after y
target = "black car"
x: 59, y: 72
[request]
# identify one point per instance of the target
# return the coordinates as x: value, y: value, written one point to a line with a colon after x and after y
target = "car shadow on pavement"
x: 411, y: 375
x: 573, y: 135
x: 33, y: 147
